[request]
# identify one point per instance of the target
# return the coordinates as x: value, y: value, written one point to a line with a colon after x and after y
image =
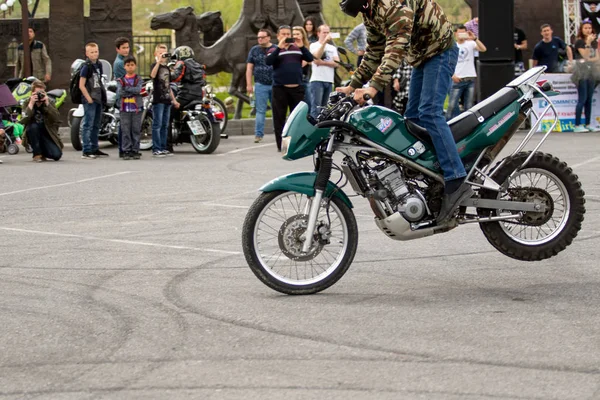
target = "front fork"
x: 323, y: 175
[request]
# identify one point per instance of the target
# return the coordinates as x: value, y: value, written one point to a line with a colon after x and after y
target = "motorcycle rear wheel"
x: 271, y: 240
x: 206, y: 144
x: 537, y: 236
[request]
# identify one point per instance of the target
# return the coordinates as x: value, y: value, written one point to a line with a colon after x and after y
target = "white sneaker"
x: 592, y: 128
x: 167, y: 153
x: 158, y: 154
x: 580, y: 129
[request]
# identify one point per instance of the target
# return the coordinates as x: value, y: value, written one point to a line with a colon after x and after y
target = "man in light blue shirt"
x: 358, y: 34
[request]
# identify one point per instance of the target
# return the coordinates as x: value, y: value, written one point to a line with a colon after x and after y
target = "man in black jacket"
x: 190, y: 76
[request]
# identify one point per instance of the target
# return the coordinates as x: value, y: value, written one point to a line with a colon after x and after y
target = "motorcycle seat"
x: 464, y: 124
x: 193, y: 105
x: 56, y: 93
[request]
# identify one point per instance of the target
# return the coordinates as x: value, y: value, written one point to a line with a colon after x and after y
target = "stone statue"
x: 187, y: 26
x: 230, y: 52
x: 210, y: 24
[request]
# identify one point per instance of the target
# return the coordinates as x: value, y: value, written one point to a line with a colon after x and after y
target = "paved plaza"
x: 125, y: 280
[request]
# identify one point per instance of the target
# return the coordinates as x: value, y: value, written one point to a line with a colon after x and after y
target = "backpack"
x: 196, y: 73
x: 74, y: 90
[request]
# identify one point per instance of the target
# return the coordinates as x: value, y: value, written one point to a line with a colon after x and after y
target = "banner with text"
x: 565, y: 104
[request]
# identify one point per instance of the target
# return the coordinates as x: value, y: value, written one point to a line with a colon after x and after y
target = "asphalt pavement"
x: 126, y: 280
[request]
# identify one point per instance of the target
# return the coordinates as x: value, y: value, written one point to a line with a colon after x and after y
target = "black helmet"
x: 353, y: 7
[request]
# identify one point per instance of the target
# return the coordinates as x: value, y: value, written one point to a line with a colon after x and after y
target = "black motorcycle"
x: 199, y: 124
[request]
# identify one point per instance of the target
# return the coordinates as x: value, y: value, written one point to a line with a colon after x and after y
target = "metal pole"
x: 25, y: 33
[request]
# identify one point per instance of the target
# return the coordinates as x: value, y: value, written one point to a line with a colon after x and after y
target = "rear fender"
x: 303, y: 182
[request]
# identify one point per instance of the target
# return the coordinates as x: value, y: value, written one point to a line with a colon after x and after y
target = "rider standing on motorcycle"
x: 190, y: 76
x: 419, y: 31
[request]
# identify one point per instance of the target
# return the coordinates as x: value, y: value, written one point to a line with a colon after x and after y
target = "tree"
x: 34, y: 9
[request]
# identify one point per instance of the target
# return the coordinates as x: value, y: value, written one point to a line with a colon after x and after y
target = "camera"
x: 41, y: 96
x: 166, y: 55
x: 289, y: 40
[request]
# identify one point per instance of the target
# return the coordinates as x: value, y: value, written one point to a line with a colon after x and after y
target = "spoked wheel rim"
x: 202, y: 142
x: 545, y: 188
x: 277, y: 240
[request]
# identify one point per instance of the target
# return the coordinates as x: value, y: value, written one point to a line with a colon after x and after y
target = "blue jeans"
x: 90, y: 128
x: 585, y: 92
x: 262, y: 95
x: 307, y: 96
x: 464, y: 91
x: 160, y: 126
x: 41, y: 142
x: 319, y: 93
x: 429, y: 86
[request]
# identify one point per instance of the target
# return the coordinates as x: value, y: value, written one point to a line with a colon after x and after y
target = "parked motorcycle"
x: 300, y: 236
x: 218, y: 106
x: 199, y: 124
x: 109, y: 128
x: 21, y: 91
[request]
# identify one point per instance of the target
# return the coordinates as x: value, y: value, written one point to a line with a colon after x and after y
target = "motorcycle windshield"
x: 300, y: 137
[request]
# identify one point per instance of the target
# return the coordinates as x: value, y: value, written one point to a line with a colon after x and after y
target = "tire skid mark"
x: 126, y: 326
x: 172, y: 294
x: 325, y: 389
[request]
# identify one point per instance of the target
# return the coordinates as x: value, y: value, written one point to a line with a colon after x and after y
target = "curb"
x: 235, y: 127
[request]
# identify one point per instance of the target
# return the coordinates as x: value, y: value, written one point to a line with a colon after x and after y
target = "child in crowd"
x: 128, y: 91
x: 93, y: 98
x: 163, y: 98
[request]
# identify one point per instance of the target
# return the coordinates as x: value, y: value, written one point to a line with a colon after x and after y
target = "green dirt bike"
x: 21, y: 91
x: 300, y: 236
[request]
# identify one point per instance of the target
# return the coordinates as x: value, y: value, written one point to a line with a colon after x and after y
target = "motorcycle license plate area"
x: 196, y: 128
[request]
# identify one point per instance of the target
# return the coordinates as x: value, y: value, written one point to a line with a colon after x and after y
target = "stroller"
x: 12, y: 130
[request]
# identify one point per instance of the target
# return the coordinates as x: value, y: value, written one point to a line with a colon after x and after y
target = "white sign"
x: 565, y: 104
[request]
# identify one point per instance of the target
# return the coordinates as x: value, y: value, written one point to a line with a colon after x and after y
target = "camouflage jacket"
x: 396, y: 29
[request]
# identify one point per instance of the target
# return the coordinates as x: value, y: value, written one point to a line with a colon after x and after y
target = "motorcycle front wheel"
x: 76, y: 133
x: 273, y: 235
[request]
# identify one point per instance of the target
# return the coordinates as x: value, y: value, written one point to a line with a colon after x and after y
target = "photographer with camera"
x: 288, y: 89
x: 41, y: 124
x: 463, y: 80
x: 162, y: 99
x: 323, y: 70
